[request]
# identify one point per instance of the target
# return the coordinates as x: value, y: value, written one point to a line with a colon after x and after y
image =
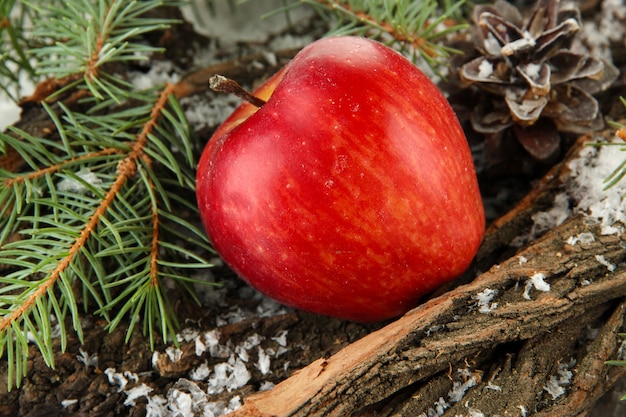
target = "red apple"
x: 351, y: 192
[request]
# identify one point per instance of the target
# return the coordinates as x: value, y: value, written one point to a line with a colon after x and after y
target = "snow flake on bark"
x: 536, y: 281
x: 609, y: 265
x: 557, y: 383
x: 483, y: 300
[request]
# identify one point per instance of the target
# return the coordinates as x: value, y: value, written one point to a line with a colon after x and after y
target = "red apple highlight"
x: 351, y: 192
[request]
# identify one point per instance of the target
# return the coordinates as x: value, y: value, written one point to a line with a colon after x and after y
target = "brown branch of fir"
x: 154, y: 252
x: 57, y: 167
x: 92, y: 63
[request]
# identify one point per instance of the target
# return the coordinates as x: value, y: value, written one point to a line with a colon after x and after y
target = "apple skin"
x: 350, y: 193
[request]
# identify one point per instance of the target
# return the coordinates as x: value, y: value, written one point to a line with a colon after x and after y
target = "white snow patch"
x: 472, y: 412
x: 465, y: 380
x: 536, y: 281
x: 439, y: 408
x: 87, y: 359
x: 602, y: 260
x: 266, y: 386
x: 227, y: 376
x: 586, y: 187
x: 160, y: 72
x: 607, y: 27
x: 135, y: 393
x: 546, y: 220
x: 459, y: 388
x: 187, y: 335
x: 584, y: 238
x: 116, y: 378
x: 281, y: 338
x: 174, y: 353
x: 557, y: 383
x: 521, y: 43
x: 485, y: 69
x: 200, y: 373
x: 68, y: 403
x: 483, y: 300
x: 493, y: 387
x: 78, y: 187
x: 263, y: 364
x: 156, y: 406
x: 10, y: 110
x: 201, y: 112
x: 533, y: 70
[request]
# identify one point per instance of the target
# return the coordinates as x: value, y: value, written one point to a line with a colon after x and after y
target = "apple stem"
x: 226, y: 85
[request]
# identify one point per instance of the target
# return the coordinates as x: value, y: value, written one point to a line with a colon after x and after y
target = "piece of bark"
x: 412, y: 352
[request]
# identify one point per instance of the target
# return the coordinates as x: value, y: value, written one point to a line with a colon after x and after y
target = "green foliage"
x: 14, y: 36
x: 620, y: 171
x: 94, y: 216
x: 414, y: 27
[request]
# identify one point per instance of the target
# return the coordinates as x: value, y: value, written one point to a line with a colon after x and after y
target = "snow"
x: 536, y: 281
x: 585, y: 192
x: 493, y: 387
x: 77, y: 187
x: 201, y: 372
x: 9, y: 110
x: 135, y: 393
x: 587, y: 187
x: 557, y: 383
x: 464, y: 381
x: 281, y: 338
x: 87, y: 359
x: 483, y: 300
x: 264, y: 362
x: 584, y: 238
x: 602, y: 260
x: 485, y: 69
x: 174, y: 353
x: 527, y: 41
x: 116, y: 378
x: 160, y: 72
x: 546, y: 220
x: 68, y: 403
x: 607, y: 27
x: 532, y: 70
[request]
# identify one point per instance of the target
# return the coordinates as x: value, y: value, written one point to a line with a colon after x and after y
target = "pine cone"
x: 531, y: 84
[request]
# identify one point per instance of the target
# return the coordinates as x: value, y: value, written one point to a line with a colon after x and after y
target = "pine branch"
x: 95, y: 213
x: 414, y: 27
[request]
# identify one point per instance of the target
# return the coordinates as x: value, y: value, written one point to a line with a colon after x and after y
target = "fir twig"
x: 416, y: 27
x: 95, y: 213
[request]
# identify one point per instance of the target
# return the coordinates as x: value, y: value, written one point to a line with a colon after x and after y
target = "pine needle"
x: 93, y: 213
